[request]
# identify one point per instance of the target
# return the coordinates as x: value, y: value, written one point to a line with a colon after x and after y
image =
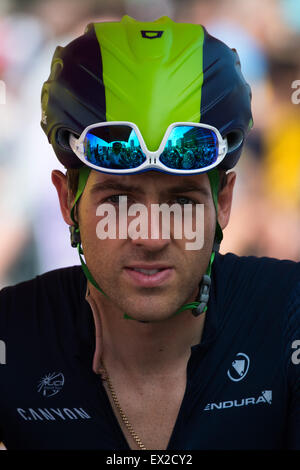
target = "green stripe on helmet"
x: 151, y: 82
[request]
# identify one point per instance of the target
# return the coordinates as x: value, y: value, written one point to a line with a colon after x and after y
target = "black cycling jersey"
x: 243, y: 379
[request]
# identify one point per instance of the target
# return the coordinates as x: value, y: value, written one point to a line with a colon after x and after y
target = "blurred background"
x: 265, y: 216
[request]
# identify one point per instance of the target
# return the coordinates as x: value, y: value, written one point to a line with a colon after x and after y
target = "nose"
x: 151, y: 244
x: 152, y: 236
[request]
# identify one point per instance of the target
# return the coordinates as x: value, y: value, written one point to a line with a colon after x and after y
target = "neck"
x: 138, y: 348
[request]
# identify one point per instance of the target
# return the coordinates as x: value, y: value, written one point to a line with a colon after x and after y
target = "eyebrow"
x: 110, y: 184
x: 118, y: 186
x: 188, y: 188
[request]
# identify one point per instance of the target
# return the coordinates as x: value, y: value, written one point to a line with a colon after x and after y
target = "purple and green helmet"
x: 149, y: 73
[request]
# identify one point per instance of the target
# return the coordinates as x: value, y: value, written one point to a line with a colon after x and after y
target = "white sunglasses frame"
x: 152, y: 158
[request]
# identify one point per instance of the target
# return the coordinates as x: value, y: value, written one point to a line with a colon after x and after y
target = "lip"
x: 154, y: 280
x: 149, y: 266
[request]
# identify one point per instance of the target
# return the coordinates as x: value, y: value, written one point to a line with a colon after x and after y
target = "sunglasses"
x: 117, y: 147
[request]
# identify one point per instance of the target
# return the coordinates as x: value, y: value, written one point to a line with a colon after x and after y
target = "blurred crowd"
x: 265, y: 215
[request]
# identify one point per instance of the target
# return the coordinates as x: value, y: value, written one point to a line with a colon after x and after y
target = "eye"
x: 115, y: 198
x: 184, y: 200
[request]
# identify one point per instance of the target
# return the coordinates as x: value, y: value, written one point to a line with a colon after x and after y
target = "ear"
x: 60, y: 182
x: 225, y: 200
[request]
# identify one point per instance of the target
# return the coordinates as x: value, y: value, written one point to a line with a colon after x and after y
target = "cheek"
x: 88, y: 220
x: 102, y: 258
x: 100, y: 254
x: 97, y: 249
x: 210, y: 221
x: 200, y: 223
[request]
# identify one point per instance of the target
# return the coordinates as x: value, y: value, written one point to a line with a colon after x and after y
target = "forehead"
x: 150, y: 181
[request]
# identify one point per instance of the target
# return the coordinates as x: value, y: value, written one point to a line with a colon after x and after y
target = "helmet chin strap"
x: 197, y: 307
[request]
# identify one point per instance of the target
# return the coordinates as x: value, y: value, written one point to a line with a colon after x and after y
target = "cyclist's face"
x: 181, y: 259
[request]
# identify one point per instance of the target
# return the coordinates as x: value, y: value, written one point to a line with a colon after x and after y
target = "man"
x: 188, y: 160
x: 152, y: 344
x: 116, y: 156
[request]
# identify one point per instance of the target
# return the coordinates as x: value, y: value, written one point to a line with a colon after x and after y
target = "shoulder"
x: 263, y: 282
x: 292, y: 328
x: 54, y: 290
x: 254, y: 270
x: 56, y: 280
x: 233, y: 261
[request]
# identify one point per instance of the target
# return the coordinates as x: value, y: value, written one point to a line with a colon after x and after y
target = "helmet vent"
x: 234, y: 140
x: 62, y: 138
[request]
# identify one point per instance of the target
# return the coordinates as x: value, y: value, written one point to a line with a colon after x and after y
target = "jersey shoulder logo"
x: 51, y: 384
x: 239, y: 367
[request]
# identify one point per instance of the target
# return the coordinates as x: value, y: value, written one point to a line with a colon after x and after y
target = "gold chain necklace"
x: 121, y: 412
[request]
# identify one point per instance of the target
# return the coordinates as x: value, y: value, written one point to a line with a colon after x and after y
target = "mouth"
x: 149, y: 276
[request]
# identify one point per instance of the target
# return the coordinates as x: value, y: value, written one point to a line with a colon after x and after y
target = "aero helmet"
x: 149, y: 73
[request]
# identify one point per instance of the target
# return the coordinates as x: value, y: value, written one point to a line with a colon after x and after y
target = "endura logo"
x: 264, y: 397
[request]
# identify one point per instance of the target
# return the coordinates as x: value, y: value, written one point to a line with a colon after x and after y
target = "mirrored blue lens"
x: 113, y: 147
x: 190, y: 148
